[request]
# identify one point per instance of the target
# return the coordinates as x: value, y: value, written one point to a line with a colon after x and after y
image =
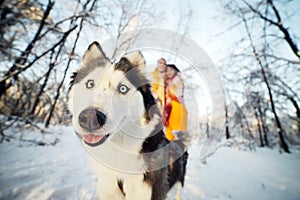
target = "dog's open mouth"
x: 94, y: 140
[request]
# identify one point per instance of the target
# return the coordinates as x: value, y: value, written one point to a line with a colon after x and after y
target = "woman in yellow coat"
x: 158, y: 83
x: 175, y: 116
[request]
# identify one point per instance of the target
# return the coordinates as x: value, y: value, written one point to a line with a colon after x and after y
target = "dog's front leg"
x: 107, y: 183
x: 137, y: 189
x: 108, y: 189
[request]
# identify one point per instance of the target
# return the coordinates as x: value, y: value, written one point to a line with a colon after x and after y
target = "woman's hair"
x: 162, y: 60
x: 173, y: 67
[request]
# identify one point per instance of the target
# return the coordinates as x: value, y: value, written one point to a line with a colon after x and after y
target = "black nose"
x: 91, y: 119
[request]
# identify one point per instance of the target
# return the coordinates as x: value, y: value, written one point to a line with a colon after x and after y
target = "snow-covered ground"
x: 62, y: 172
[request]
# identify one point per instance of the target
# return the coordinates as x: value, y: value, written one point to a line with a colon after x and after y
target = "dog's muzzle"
x: 92, y: 120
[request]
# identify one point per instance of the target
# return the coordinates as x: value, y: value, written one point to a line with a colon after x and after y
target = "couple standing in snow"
x: 168, y: 90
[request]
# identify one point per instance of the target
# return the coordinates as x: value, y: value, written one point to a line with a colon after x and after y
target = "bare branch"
x: 278, y: 123
x: 68, y: 65
x: 22, y: 69
x: 278, y: 24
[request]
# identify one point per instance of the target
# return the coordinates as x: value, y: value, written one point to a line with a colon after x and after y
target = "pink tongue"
x: 92, y: 139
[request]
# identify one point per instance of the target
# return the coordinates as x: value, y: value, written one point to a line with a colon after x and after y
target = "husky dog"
x: 117, y: 119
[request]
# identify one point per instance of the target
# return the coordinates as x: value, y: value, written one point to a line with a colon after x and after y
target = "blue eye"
x: 123, y: 89
x: 89, y: 84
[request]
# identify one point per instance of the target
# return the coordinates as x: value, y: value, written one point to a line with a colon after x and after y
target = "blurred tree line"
x: 38, y: 46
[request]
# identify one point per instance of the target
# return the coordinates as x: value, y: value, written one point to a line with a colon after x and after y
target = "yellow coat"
x: 177, y: 119
x: 158, y: 89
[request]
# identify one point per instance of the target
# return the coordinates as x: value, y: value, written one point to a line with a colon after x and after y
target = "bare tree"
x: 262, y: 61
x: 39, y: 45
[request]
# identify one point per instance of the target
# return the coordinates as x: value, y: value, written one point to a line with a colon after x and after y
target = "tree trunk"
x: 264, y: 129
x: 283, y: 144
x: 226, y: 123
x: 295, y: 104
x: 246, y: 121
x: 259, y: 128
x: 22, y: 59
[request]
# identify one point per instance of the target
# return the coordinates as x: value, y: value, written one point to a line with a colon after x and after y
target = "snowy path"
x: 61, y: 172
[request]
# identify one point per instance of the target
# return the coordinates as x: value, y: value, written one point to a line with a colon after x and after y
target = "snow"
x: 62, y: 172
x: 233, y: 174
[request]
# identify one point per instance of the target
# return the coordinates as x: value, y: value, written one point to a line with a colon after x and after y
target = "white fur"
x: 119, y: 157
x: 134, y: 186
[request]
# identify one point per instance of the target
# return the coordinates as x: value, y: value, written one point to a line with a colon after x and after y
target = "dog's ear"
x: 136, y: 58
x: 93, y: 52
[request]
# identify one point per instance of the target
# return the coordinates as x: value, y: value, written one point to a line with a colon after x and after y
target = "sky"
x: 202, y: 28
x: 204, y: 24
x: 209, y: 26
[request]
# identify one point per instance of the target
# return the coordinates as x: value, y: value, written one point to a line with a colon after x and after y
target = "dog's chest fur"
x: 145, y: 182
